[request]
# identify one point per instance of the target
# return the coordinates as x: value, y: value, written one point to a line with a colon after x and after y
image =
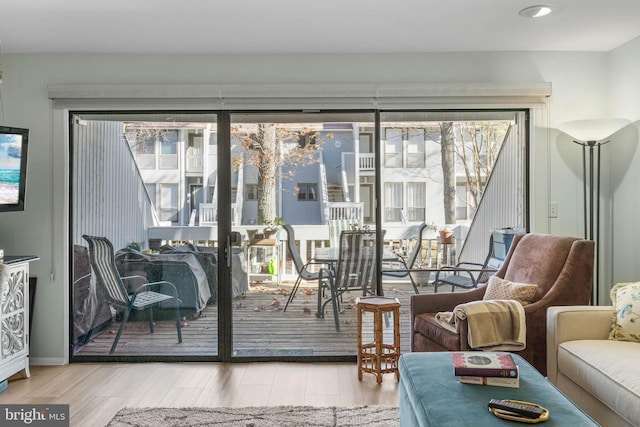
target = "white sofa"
x: 601, y: 376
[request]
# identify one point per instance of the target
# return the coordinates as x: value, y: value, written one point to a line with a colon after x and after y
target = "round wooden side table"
x: 378, y: 357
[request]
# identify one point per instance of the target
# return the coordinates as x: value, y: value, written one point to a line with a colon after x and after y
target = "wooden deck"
x: 260, y: 328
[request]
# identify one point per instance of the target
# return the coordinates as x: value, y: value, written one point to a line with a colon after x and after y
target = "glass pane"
x: 393, y: 204
x: 416, y: 192
x: 306, y: 169
x: 449, y: 159
x: 141, y: 206
x: 393, y: 148
x: 169, y: 142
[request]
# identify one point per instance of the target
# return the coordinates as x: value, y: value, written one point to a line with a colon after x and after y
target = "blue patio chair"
x: 143, y: 298
x: 410, y: 262
x: 301, y: 266
x: 469, y: 275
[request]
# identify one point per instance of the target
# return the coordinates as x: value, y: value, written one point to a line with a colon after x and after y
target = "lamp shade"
x: 592, y: 130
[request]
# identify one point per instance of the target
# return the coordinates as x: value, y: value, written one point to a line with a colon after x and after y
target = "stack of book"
x: 486, y: 368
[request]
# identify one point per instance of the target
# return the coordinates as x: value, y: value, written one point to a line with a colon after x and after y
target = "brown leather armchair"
x: 562, y: 267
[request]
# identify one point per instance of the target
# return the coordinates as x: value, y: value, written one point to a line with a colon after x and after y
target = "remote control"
x: 516, y: 408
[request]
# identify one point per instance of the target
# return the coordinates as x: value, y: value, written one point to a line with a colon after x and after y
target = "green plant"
x: 273, y: 224
x: 135, y: 245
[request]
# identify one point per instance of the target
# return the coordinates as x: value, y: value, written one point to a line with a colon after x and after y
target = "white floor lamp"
x: 591, y: 135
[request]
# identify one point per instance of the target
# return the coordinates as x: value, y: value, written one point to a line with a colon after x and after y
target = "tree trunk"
x: 447, y: 151
x: 267, y: 172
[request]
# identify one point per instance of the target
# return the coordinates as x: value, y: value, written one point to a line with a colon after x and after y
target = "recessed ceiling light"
x: 537, y: 11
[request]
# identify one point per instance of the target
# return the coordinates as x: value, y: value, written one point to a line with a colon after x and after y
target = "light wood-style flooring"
x: 95, y: 392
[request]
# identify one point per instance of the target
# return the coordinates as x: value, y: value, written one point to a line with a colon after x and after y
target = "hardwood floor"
x: 95, y: 392
x: 260, y: 326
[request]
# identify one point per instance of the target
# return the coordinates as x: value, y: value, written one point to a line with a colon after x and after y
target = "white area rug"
x: 263, y: 416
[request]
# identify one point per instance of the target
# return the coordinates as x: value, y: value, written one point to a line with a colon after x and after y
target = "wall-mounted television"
x: 13, y: 168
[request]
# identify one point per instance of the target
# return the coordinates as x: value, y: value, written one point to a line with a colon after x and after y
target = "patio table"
x: 330, y: 256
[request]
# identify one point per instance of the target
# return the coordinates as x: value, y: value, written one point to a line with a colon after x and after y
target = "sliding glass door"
x: 295, y: 176
x: 143, y: 181
x: 240, y: 211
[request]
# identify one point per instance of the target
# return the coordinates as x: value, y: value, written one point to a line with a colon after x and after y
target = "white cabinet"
x: 14, y: 317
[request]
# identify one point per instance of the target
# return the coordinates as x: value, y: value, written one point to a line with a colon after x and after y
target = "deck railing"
x: 367, y: 161
x: 346, y: 210
x: 207, y: 214
x: 400, y: 238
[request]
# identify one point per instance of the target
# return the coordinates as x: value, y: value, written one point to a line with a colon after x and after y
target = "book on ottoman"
x: 513, y: 382
x: 484, y: 364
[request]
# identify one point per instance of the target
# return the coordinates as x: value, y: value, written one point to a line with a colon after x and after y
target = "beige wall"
x: 581, y: 84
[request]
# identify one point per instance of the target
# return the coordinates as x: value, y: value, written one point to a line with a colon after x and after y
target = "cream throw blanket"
x: 493, y: 324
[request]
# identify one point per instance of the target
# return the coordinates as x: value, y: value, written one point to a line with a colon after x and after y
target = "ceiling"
x: 304, y: 26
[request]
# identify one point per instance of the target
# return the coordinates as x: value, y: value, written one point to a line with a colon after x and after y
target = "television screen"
x: 13, y: 167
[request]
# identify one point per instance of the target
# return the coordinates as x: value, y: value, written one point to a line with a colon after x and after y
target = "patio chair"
x: 301, y: 266
x: 103, y: 263
x: 469, y: 275
x: 356, y: 269
x: 410, y: 262
x: 336, y: 226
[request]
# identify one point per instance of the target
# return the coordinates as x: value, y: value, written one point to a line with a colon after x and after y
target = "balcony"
x: 195, y: 164
x: 366, y: 162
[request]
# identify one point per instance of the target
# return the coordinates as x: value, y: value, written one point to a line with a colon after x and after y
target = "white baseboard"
x: 46, y: 361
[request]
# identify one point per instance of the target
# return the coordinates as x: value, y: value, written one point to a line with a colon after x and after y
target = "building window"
x: 145, y: 152
x: 307, y: 191
x: 464, y: 207
x: 168, y: 209
x: 393, y: 201
x: 416, y: 201
x: 306, y: 139
x: 415, y: 148
x: 169, y: 150
x: 195, y: 153
x: 251, y: 192
x: 168, y: 142
x: 393, y: 148
x: 146, y: 147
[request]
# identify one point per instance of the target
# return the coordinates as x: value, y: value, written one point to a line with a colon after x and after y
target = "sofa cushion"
x: 625, y: 324
x: 498, y: 288
x: 607, y: 370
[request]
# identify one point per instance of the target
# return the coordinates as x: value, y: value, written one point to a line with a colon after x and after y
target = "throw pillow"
x: 498, y: 288
x: 625, y: 298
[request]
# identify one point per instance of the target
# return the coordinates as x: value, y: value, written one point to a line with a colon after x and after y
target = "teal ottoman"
x: 430, y: 395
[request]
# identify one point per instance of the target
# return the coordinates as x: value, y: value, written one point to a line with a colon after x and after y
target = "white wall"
x: 624, y: 101
x: 579, y: 83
